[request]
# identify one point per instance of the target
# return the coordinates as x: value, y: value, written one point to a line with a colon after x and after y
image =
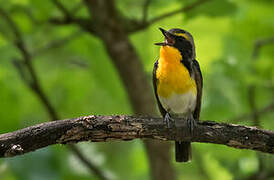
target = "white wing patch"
x: 179, y: 103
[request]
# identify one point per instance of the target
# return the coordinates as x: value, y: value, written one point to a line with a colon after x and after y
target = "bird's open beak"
x: 169, y: 38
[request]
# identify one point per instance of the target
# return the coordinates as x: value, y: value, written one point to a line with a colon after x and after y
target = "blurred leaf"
x: 215, y: 170
x: 249, y: 165
x: 212, y: 8
x: 38, y: 165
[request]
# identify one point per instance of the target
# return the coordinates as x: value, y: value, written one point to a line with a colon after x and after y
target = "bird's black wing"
x: 199, y: 83
x: 162, y: 110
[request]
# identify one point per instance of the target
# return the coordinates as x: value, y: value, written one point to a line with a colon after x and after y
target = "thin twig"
x: 253, y: 106
x: 252, y: 98
x: 20, y: 69
x: 85, y: 23
x: 255, y: 113
x: 145, y: 10
x: 77, y: 8
x: 56, y: 44
x: 259, y: 44
x: 90, y: 165
x: 252, y: 88
x: 68, y: 13
x: 172, y: 13
x: 140, y: 25
x: 62, y: 8
x: 267, y: 109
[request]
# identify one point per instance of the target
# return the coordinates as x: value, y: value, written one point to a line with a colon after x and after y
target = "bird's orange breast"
x: 172, y: 75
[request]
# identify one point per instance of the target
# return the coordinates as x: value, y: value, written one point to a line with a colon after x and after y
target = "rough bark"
x: 109, y: 128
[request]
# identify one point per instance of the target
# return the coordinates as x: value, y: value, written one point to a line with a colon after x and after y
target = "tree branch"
x: 62, y: 8
x: 109, y: 128
x: 183, y: 9
x: 139, y: 25
x: 145, y: 10
x: 96, y: 170
x: 85, y: 23
x: 69, y: 18
x: 57, y: 43
x: 259, y: 44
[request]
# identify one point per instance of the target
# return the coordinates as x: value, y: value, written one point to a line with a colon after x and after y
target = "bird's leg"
x: 167, y: 120
x: 191, y: 124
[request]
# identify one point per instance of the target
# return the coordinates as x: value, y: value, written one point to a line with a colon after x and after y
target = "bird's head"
x: 179, y: 39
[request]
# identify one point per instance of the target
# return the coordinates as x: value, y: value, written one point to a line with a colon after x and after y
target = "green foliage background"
x: 80, y: 79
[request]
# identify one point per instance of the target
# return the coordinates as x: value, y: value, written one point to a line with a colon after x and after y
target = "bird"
x: 178, y: 83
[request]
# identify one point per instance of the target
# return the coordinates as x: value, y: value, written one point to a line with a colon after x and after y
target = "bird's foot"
x: 168, y: 120
x: 191, y: 124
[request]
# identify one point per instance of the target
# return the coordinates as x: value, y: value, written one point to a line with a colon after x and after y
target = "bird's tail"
x: 182, y: 151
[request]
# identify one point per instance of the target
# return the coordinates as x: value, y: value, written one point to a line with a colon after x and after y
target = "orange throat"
x: 173, y: 76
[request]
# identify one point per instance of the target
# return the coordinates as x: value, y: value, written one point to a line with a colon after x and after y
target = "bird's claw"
x: 191, y: 124
x: 168, y: 120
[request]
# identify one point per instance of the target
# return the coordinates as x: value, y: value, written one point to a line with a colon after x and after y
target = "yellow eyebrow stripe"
x: 182, y: 35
